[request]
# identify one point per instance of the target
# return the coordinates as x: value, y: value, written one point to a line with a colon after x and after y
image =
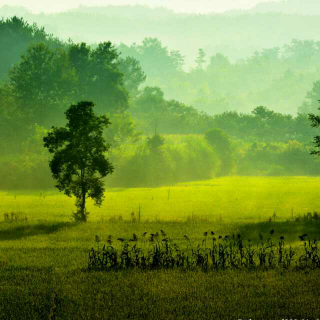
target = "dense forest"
x: 248, y: 58
x: 234, y: 34
x: 222, y: 117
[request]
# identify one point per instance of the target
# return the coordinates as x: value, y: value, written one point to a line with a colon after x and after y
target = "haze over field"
x: 251, y: 72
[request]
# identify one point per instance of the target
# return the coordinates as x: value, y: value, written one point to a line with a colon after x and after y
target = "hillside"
x: 302, y: 7
x: 236, y: 36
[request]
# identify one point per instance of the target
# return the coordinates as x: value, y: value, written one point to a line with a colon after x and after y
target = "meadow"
x: 231, y: 199
x: 44, y: 258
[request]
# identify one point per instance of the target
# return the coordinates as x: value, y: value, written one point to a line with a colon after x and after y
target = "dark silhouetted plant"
x: 224, y: 253
x: 79, y: 161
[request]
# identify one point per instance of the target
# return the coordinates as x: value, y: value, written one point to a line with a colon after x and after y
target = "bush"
x: 278, y: 159
x: 222, y: 143
x: 173, y: 160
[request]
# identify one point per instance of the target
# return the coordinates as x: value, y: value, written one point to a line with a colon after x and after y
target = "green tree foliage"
x: 79, y: 161
x: 133, y: 77
x: 302, y: 54
x: 155, y: 143
x: 279, y: 76
x: 52, y: 75
x: 264, y: 124
x: 151, y: 101
x: 167, y: 116
x: 99, y: 76
x: 163, y: 160
x: 222, y: 144
x: 311, y: 103
x: 315, y: 123
x: 26, y: 168
x: 215, y: 32
x: 46, y: 80
x: 11, y: 122
x: 43, y: 83
x: 200, y: 61
x: 156, y: 60
x: 16, y: 35
x: 276, y: 159
x: 123, y: 130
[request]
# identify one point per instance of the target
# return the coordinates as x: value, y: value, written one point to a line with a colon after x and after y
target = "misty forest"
x: 160, y: 165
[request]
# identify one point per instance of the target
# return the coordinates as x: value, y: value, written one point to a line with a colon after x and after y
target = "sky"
x: 195, y: 6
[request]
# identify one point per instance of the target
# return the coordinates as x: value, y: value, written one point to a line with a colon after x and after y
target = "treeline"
x: 245, y: 64
x: 154, y: 140
x: 278, y: 77
x: 235, y: 35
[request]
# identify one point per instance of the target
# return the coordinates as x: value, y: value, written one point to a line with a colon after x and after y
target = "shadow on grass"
x: 15, y: 232
x: 290, y: 230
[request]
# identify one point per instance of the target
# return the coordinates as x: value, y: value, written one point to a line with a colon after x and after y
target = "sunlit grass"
x: 44, y: 260
x: 233, y: 199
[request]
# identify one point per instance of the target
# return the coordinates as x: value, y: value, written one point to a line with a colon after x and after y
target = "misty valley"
x: 160, y: 165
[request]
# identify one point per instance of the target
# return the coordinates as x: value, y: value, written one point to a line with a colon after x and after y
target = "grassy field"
x: 234, y: 199
x: 43, y: 261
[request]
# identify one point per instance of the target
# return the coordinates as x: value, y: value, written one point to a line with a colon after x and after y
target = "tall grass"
x: 158, y: 251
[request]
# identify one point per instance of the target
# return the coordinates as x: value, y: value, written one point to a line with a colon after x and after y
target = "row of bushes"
x: 277, y: 159
x: 160, y: 161
x: 147, y: 163
x: 167, y: 160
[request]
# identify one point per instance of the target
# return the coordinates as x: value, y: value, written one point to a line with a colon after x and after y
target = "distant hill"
x: 8, y: 11
x: 301, y: 7
x: 236, y: 36
x: 126, y: 11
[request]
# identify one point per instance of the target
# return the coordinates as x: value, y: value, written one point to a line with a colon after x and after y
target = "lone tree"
x: 79, y: 161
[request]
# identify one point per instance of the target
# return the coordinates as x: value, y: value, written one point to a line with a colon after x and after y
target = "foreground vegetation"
x: 44, y: 275
x: 158, y: 251
x: 44, y: 259
x: 46, y: 293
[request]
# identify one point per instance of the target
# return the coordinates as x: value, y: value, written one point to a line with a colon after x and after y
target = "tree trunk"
x: 83, y: 200
x: 83, y: 206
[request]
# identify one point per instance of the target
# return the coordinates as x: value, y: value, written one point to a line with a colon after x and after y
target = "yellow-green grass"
x: 233, y: 199
x: 53, y: 294
x: 233, y: 204
x: 43, y: 260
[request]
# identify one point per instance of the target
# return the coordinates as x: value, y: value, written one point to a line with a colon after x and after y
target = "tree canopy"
x: 79, y: 161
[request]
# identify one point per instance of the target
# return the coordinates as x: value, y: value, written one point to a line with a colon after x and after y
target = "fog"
x: 190, y: 6
x: 227, y: 94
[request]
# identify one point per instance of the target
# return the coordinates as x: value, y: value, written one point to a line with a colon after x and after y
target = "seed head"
x: 163, y: 233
